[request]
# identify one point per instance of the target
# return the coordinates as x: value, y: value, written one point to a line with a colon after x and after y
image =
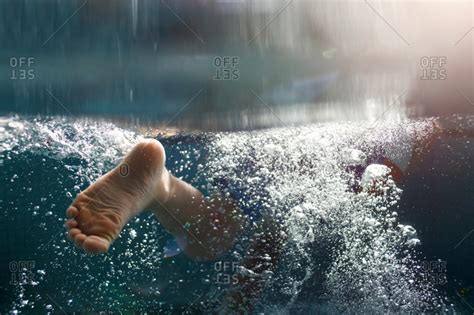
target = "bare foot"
x: 99, y: 213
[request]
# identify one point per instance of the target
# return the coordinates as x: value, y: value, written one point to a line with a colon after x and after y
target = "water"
x: 286, y: 100
x: 346, y: 252
x: 310, y: 61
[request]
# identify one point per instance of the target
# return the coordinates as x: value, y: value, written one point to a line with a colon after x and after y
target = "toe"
x: 71, y: 212
x: 71, y: 224
x: 96, y: 245
x: 79, y: 239
x: 72, y: 233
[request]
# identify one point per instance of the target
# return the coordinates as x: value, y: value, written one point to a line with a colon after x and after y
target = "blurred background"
x: 230, y: 64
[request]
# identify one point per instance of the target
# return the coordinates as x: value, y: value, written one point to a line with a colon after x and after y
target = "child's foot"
x: 99, y: 213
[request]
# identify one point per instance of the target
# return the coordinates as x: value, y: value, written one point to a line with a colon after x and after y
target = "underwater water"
x: 300, y: 88
x: 404, y: 249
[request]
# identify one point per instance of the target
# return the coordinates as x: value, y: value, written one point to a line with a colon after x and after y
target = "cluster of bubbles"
x: 346, y: 245
x: 96, y: 145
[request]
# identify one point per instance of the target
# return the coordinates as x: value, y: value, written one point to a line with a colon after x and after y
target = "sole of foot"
x: 99, y: 213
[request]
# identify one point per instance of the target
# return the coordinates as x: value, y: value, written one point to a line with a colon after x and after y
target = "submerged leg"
x: 204, y: 228
x: 261, y: 261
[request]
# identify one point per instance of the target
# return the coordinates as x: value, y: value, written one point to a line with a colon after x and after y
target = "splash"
x: 347, y: 248
x: 351, y: 242
x: 98, y: 145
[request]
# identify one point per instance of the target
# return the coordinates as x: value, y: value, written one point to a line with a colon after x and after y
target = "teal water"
x: 346, y: 252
